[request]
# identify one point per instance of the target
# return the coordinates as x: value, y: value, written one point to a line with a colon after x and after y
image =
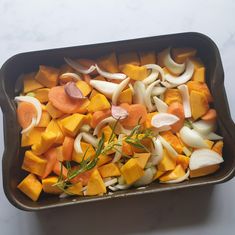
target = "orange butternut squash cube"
x: 107, y: 131
x: 204, y: 171
x: 147, y: 123
x: 218, y: 147
x: 132, y: 171
x: 158, y: 174
x: 31, y: 187
x: 34, y: 164
x: 103, y: 159
x: 54, y: 127
x: 33, y: 137
x: 172, y: 95
x: 142, y: 159
x: 75, y: 189
x: 199, y: 74
x: 48, y: 185
x: 30, y: 84
x: 45, y: 119
x: 135, y: 72
x: 95, y: 184
x: 126, y: 148
x: 47, y: 76
x: 88, y: 148
x: 174, y: 174
x: 125, y: 96
x: 183, y: 161
x: 41, y: 94
x: 147, y: 57
x: 109, y: 62
x: 93, y: 93
x: 98, y: 103
x: 109, y: 170
x: 53, y: 111
x: 167, y: 163
x: 209, y: 143
x: 84, y: 87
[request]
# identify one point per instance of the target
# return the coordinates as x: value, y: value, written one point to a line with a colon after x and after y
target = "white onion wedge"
x: 187, y: 75
x: 161, y: 106
x: 113, y: 188
x: 179, y: 180
x: 192, y: 138
x: 203, y: 127
x: 213, y: 136
x: 75, y: 76
x: 163, y: 119
x: 35, y: 102
x: 168, y: 85
x: 115, y: 76
x: 157, y: 152
x: 147, y: 97
x: 106, y: 88
x: 78, y: 67
x: 157, y: 68
x: 147, y: 178
x: 132, y: 88
x: 186, y: 102
x: 152, y: 76
x: 158, y: 90
x: 90, y: 139
x: 85, y: 128
x: 204, y: 157
x: 30, y: 127
x: 118, y: 90
x: 111, y: 182
x: 118, y: 153
x: 77, y: 143
x: 139, y: 93
x: 168, y: 147
x: 102, y: 123
x: 122, y: 186
x: 171, y: 64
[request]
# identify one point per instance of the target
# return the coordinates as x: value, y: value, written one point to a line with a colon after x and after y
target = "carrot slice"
x: 57, y: 169
x: 50, y: 156
x: 83, y: 177
x: 210, y: 115
x: 67, y: 148
x: 98, y: 116
x: 25, y: 112
x: 137, y: 113
x: 87, y: 78
x: 177, y: 109
x: 62, y: 101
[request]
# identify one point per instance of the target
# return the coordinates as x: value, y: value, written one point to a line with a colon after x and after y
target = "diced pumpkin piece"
x: 103, y: 159
x: 48, y: 185
x: 87, y: 119
x: 200, y: 87
x: 30, y: 84
x: 132, y: 171
x: 107, y: 131
x: 147, y: 123
x: 33, y: 137
x: 90, y: 152
x: 180, y: 55
x: 45, y: 119
x: 75, y: 189
x: 173, y: 140
x: 142, y: 159
x: 199, y: 104
x: 53, y: 111
x: 199, y: 74
x: 59, y: 169
x: 204, y: 171
x: 48, y: 138
x: 172, y: 95
x: 34, y: 164
x: 59, y: 153
x: 183, y: 161
x: 197, y: 62
x: 109, y: 62
x: 147, y: 57
x: 47, y: 76
x: 95, y: 184
x: 126, y: 148
x: 98, y: 103
x: 54, y: 127
x: 42, y: 94
x: 82, y: 109
x: 109, y: 170
x: 67, y: 148
x: 209, y: 143
x: 98, y: 116
x: 84, y: 87
x: 93, y: 93
x: 137, y: 73
x: 174, y: 174
x: 167, y: 163
x: 128, y: 58
x: 72, y: 123
x: 218, y: 147
x: 31, y: 187
x: 125, y: 96
x: 82, y: 177
x: 147, y: 142
x: 158, y: 174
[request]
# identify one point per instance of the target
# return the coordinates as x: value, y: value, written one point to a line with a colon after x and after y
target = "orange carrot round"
x: 25, y: 112
x: 98, y: 116
x: 57, y: 169
x: 210, y: 115
x: 177, y: 109
x: 67, y: 148
x: 50, y: 156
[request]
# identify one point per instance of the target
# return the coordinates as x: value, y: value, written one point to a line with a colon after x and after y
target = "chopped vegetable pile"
x: 93, y: 127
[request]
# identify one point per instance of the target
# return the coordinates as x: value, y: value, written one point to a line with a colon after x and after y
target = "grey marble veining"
x: 34, y: 25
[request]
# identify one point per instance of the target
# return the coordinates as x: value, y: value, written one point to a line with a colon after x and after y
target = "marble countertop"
x: 34, y: 25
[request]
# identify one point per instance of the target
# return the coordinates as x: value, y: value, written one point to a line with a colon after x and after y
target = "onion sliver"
x: 35, y: 102
x: 77, y: 143
x: 204, y: 157
x: 122, y: 186
x: 75, y: 76
x: 139, y: 93
x: 147, y: 178
x: 213, y: 136
x: 152, y: 76
x: 179, y: 180
x: 168, y: 85
x: 102, y: 123
x: 111, y: 182
x: 168, y: 147
x: 192, y: 138
x: 158, y: 90
x: 185, y: 97
x: 106, y: 88
x: 115, y: 76
x: 147, y: 97
x: 118, y: 153
x: 203, y: 127
x: 161, y: 106
x: 78, y: 67
x: 118, y: 90
x: 187, y: 75
x: 157, y: 152
x: 30, y: 127
x: 89, y: 138
x: 171, y: 64
x: 157, y: 68
x: 163, y: 119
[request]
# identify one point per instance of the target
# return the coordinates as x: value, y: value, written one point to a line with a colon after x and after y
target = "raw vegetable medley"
x: 93, y: 127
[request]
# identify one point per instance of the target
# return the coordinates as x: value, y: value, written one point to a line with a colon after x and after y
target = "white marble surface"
x: 34, y: 25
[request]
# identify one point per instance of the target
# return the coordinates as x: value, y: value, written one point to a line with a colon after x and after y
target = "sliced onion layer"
x: 214, y: 136
x: 158, y: 90
x: 179, y: 180
x: 88, y: 138
x: 187, y: 75
x: 74, y: 76
x: 102, y: 123
x: 115, y: 76
x: 78, y: 67
x: 147, y: 178
x: 168, y: 147
x: 118, y: 153
x: 30, y: 127
x: 157, y: 152
x: 203, y: 127
x: 161, y: 106
x: 118, y: 112
x: 111, y: 182
x: 163, y: 119
x: 152, y: 76
x: 204, y: 157
x: 139, y: 93
x: 119, y: 89
x: 186, y: 102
